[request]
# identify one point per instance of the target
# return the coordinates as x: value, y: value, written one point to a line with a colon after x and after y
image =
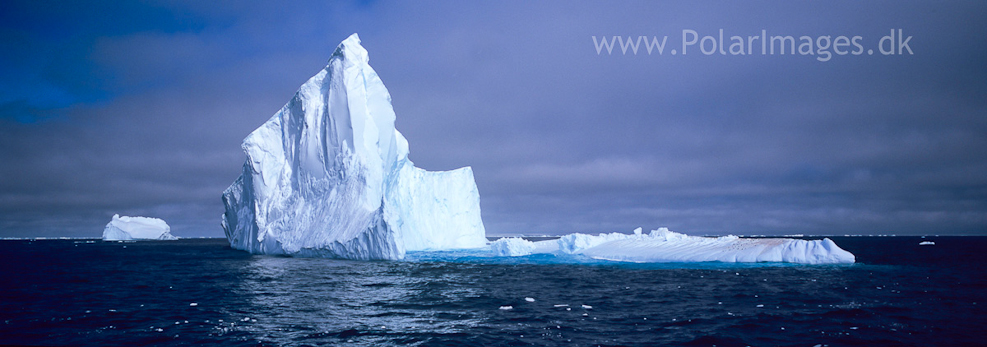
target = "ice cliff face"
x: 136, y: 228
x: 329, y: 176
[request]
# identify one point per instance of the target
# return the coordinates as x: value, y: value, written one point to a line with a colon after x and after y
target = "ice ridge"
x: 663, y: 245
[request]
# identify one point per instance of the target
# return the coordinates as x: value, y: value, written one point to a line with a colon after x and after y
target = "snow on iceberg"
x: 329, y: 176
x: 512, y: 247
x: 663, y: 245
x: 136, y: 228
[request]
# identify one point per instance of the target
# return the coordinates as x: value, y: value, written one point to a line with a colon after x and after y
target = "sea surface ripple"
x: 199, y: 291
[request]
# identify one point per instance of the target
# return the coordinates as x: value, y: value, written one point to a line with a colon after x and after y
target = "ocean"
x: 202, y: 292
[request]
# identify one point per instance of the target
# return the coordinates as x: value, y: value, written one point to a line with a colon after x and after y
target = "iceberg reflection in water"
x: 339, y: 300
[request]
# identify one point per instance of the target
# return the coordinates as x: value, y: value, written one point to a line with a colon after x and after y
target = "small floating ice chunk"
x: 759, y: 305
x: 588, y: 307
x: 193, y: 304
x: 926, y: 243
x: 529, y: 299
x: 505, y: 308
x: 561, y: 305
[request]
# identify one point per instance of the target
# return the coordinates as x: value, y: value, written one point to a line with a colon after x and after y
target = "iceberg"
x: 329, y: 176
x: 136, y: 228
x: 663, y: 246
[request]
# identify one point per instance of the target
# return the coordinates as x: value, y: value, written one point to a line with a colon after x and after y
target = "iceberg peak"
x: 328, y: 175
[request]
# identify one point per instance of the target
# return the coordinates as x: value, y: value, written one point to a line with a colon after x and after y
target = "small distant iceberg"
x: 136, y: 228
x: 664, y: 246
x: 926, y: 243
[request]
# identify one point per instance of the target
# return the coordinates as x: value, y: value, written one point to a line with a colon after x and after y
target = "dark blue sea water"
x: 78, y: 292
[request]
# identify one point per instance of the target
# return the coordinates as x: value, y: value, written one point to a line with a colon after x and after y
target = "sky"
x: 140, y: 107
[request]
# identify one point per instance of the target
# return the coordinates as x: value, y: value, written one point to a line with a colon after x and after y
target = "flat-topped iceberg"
x: 662, y: 245
x: 136, y: 228
x: 329, y: 176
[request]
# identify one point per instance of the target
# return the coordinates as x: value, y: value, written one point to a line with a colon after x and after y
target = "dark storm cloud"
x: 140, y: 109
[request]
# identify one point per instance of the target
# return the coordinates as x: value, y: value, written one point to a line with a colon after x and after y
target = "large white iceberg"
x: 663, y: 245
x: 136, y: 228
x: 329, y: 176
